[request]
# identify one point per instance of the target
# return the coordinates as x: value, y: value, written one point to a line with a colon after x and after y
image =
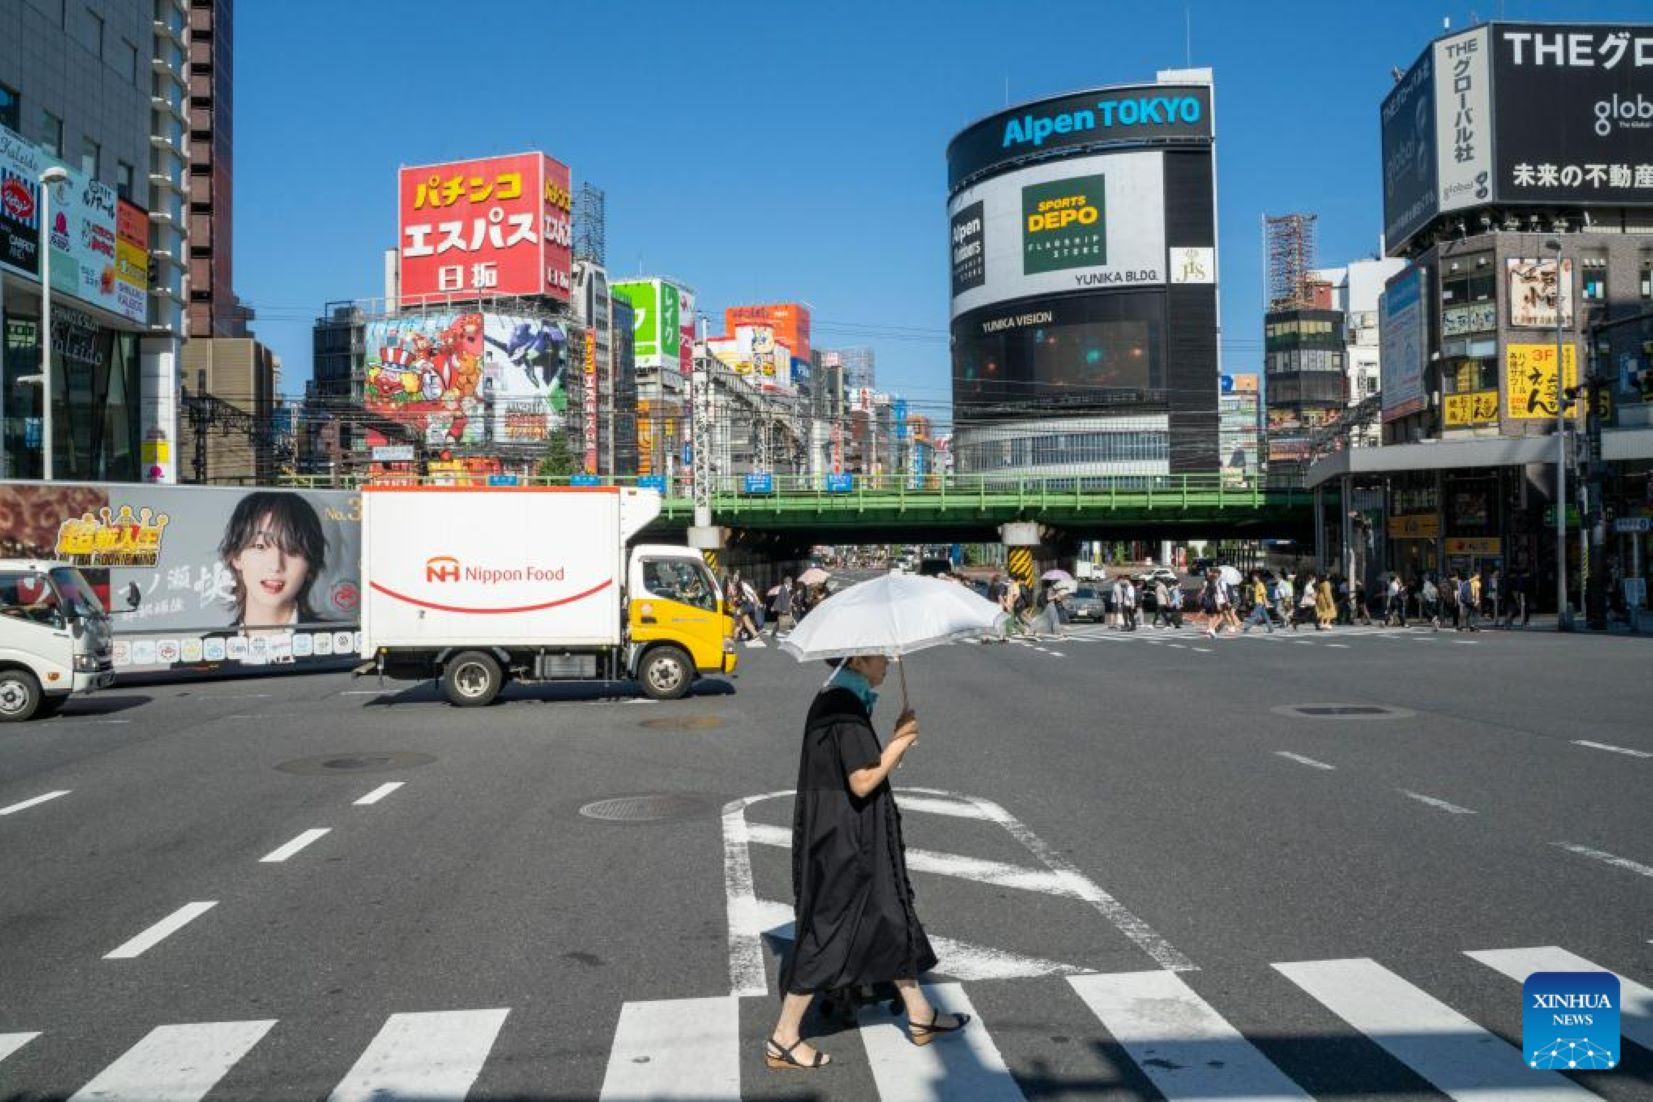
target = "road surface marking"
x: 176, y: 1061
x: 1110, y: 908
x: 26, y: 804
x: 11, y: 1042
x: 1178, y: 646
x: 1056, y: 654
x: 1433, y: 802
x: 281, y: 853
x: 931, y: 806
x: 967, y: 1067
x: 1635, y: 1000
x: 379, y: 793
x: 1339, y: 646
x: 1606, y: 858
x: 1460, y: 1058
x: 1306, y: 761
x: 1580, y: 742
x: 1201, y: 650
x: 1184, y: 1047
x: 675, y: 1048
x: 998, y: 873
x: 429, y: 1055
x: 232, y: 696
x: 369, y: 692
x: 163, y: 929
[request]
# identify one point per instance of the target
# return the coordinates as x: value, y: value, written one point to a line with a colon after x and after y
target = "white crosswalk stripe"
x: 429, y: 1055
x: 1460, y: 1058
x: 1635, y: 1000
x: 966, y: 1067
x: 176, y: 1062
x: 692, y: 1048
x: 677, y: 1048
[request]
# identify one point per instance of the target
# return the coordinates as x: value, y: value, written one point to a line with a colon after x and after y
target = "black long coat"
x: 853, y: 900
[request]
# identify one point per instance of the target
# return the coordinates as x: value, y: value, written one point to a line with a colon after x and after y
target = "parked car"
x: 1087, y: 603
x: 1161, y: 574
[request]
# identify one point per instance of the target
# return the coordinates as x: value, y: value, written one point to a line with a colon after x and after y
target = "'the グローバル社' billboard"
x: 468, y: 378
x: 1511, y: 113
x: 1573, y: 112
x: 1402, y: 329
x: 1122, y: 116
x: 1080, y: 223
x: 485, y: 227
x: 226, y: 576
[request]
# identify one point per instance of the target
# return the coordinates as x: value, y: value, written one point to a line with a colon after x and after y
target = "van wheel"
x: 665, y: 674
x: 19, y: 696
x: 472, y: 679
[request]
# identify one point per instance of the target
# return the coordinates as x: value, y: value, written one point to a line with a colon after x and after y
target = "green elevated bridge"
x: 969, y: 509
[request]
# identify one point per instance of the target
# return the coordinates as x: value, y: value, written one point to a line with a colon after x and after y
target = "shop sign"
x: 1472, y: 317
x: 1415, y: 526
x: 1480, y: 545
x: 393, y: 453
x: 1572, y: 516
x: 1529, y: 379
x: 1632, y: 525
x: 1477, y: 407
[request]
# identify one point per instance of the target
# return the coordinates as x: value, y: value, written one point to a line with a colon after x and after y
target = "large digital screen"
x: 1086, y: 349
x: 1076, y: 224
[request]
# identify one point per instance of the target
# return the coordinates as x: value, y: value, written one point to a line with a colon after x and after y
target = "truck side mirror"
x: 133, y: 594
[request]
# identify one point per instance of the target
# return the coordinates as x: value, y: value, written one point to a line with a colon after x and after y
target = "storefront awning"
x: 1486, y: 451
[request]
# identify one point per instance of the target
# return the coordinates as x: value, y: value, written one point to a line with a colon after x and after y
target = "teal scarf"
x: 845, y: 678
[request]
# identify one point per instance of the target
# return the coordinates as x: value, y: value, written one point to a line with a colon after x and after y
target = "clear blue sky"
x: 788, y: 151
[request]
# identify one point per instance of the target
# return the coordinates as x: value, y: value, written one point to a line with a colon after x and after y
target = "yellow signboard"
x: 1415, y: 526
x: 1529, y: 379
x: 1477, y: 407
x: 1486, y: 545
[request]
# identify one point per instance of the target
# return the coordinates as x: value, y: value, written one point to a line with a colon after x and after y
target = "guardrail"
x: 736, y: 494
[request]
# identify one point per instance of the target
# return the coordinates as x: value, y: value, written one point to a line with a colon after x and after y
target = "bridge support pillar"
x: 1021, y: 540
x: 708, y: 539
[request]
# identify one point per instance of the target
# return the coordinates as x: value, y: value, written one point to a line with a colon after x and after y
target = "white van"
x: 55, y: 638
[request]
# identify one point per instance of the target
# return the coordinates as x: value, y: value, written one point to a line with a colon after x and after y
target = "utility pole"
x: 1561, y: 617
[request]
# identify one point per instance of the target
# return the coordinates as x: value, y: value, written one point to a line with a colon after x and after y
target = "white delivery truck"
x: 477, y: 586
x: 55, y: 638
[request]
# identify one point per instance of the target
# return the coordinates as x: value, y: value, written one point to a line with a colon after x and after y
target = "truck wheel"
x: 19, y: 696
x: 665, y: 674
x: 472, y: 679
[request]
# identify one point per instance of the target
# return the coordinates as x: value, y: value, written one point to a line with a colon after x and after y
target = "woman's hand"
x: 906, y: 730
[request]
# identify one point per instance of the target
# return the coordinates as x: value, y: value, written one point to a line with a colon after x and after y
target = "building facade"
x: 95, y: 88
x: 1084, y: 285
x: 214, y: 310
x: 1306, y: 386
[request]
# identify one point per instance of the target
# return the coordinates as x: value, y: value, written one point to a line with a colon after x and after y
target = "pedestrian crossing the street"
x: 1181, y: 1044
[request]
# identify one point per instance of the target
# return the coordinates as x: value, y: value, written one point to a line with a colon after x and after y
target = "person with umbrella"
x: 853, y: 901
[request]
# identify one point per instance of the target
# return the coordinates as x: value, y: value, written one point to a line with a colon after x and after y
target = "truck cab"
x: 676, y: 622
x: 55, y: 638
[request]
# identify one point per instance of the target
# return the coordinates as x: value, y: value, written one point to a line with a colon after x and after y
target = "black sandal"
x: 924, y: 1034
x: 787, y: 1060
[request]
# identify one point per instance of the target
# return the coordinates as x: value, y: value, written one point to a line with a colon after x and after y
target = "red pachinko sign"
x: 492, y: 226
x: 590, y: 401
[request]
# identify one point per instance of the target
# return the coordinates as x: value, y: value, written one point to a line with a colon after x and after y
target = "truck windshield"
x: 77, y: 595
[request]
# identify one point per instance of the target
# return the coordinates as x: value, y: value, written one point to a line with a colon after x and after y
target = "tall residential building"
x: 214, y: 310
x: 860, y: 368
x: 98, y: 88
x: 242, y: 376
x: 1305, y: 386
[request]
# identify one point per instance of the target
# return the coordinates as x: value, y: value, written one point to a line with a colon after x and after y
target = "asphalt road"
x: 1145, y: 874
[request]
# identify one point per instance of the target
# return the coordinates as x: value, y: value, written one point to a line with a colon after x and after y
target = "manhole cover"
x: 382, y: 761
x: 683, y: 723
x: 1342, y: 711
x: 643, y: 809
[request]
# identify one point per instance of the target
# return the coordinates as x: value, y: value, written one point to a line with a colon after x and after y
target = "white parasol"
x: 1229, y: 574
x: 893, y: 614
x: 813, y: 576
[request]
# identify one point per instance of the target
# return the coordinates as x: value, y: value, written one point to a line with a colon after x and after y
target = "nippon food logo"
x: 441, y: 569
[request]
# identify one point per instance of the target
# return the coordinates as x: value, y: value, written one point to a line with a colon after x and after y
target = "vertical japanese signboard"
x: 491, y: 226
x: 131, y: 260
x: 20, y: 166
x: 1463, y: 120
x: 1402, y: 338
x: 590, y: 375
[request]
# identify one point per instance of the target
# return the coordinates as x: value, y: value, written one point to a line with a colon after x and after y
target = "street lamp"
x: 1561, y: 617
x: 49, y: 178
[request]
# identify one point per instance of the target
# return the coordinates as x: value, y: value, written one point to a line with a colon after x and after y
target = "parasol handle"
x: 901, y: 667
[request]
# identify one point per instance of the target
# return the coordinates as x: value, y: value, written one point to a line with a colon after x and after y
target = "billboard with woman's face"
x: 249, y: 577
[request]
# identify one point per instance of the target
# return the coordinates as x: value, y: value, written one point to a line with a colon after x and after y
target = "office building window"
x: 1647, y: 279
x: 9, y: 108
x: 123, y: 180
x: 1594, y: 271
x: 51, y: 133
x: 129, y: 61
x: 93, y: 32
x: 90, y: 155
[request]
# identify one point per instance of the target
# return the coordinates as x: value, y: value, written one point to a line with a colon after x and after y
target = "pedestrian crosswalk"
x: 1181, y: 1042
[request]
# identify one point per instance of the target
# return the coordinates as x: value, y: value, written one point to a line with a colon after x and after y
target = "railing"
x: 734, y: 494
